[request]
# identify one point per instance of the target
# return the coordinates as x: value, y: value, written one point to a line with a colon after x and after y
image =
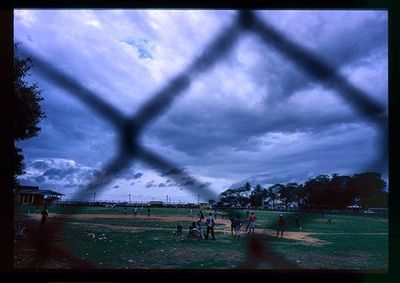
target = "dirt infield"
x: 298, y: 236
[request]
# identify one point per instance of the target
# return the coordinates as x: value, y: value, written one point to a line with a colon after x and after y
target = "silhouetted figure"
x: 45, y: 214
x: 296, y: 219
x: 200, y: 215
x: 329, y: 217
x: 148, y: 210
x: 179, y: 232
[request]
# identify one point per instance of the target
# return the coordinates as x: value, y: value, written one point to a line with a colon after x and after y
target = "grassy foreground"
x: 125, y: 242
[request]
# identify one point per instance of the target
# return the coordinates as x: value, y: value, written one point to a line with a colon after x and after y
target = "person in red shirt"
x: 252, y: 220
x: 281, y: 224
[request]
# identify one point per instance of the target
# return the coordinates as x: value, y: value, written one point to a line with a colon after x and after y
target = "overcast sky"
x: 253, y: 116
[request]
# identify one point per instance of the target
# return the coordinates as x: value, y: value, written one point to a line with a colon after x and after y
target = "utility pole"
x: 198, y: 199
x: 129, y: 198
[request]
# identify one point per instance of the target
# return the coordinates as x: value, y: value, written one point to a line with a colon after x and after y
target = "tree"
x: 317, y: 191
x: 211, y: 202
x: 290, y: 194
x: 272, y: 194
x: 344, y: 195
x: 28, y: 113
x: 234, y: 197
x: 369, y: 188
x: 257, y: 196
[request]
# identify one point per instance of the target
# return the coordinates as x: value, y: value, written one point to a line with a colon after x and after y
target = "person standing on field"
x: 45, y: 214
x: 232, y: 219
x: 237, y: 223
x: 148, y: 210
x: 210, y: 222
x: 296, y: 219
x: 200, y: 227
x: 252, y: 220
x: 200, y: 215
x: 281, y: 225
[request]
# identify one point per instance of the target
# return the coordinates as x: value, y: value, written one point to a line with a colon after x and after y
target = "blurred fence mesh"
x: 129, y: 128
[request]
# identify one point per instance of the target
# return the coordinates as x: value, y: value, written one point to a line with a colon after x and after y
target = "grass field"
x: 107, y: 238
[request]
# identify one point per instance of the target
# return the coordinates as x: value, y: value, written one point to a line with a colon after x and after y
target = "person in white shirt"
x: 210, y: 222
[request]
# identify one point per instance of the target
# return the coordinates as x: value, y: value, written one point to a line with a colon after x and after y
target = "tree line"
x: 323, y: 191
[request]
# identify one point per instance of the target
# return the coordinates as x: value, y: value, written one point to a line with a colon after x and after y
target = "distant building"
x: 32, y: 195
x: 156, y: 203
x: 204, y: 205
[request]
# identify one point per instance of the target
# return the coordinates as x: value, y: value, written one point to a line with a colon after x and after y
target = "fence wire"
x: 130, y: 127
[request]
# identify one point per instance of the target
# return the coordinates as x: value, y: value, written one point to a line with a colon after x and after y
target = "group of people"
x: 135, y: 210
x: 196, y: 228
x: 237, y: 223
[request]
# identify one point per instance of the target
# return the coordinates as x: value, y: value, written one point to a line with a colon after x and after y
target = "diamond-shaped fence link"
x: 129, y: 128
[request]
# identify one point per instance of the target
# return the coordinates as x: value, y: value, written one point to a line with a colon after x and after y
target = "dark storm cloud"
x: 40, y: 179
x: 254, y: 116
x: 150, y: 184
x: 137, y: 175
x: 174, y: 171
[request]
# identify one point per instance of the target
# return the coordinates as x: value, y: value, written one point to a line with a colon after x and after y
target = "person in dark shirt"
x: 296, y: 219
x: 281, y: 225
x: 179, y: 232
x: 45, y: 214
x: 148, y: 210
x: 200, y: 215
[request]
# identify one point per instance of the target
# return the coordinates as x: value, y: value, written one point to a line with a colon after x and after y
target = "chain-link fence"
x: 130, y: 128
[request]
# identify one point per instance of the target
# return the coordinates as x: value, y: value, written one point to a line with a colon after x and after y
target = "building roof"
x: 35, y: 191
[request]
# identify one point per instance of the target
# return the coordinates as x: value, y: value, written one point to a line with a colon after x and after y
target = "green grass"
x: 353, y: 241
x: 151, y: 249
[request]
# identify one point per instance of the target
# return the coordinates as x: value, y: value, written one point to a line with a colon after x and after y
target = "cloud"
x: 150, y: 184
x: 57, y: 172
x: 137, y: 175
x: 253, y: 116
x: 174, y: 171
